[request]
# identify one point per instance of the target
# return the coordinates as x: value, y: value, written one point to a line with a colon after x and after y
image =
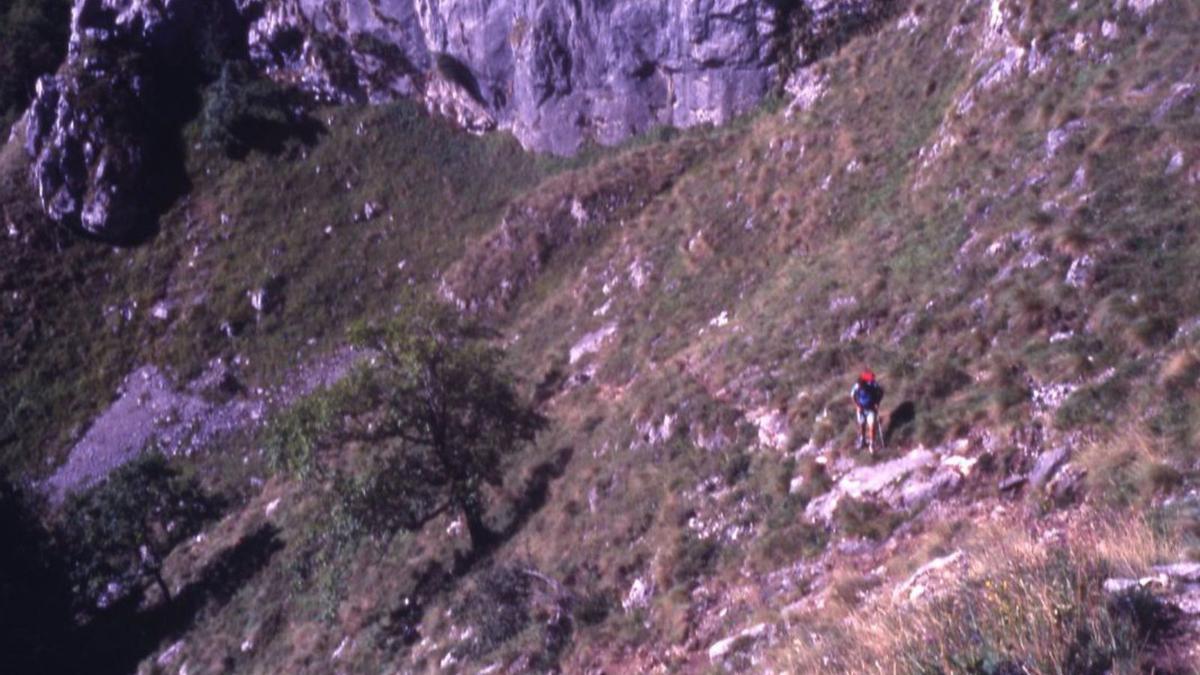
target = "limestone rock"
x: 737, y: 643
x: 556, y: 74
x: 1188, y: 572
x: 901, y: 483
x: 1047, y: 464
x: 102, y: 131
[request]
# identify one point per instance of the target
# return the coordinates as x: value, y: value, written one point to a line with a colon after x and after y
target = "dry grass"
x: 1181, y: 370
x: 1129, y: 468
x: 1022, y: 605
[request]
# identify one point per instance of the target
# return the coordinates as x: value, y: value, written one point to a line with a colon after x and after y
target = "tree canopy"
x: 447, y: 401
x: 121, y: 530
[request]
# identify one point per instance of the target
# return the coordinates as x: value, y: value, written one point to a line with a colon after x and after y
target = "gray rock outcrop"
x: 102, y: 132
x: 556, y: 74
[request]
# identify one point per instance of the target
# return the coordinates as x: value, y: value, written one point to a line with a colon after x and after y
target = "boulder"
x: 899, y: 482
x: 736, y: 644
x: 917, y: 584
x: 1188, y: 572
x: 918, y: 493
x: 874, y: 479
x: 103, y: 132
x: 1047, y: 464
x: 1118, y: 585
x: 1012, y: 483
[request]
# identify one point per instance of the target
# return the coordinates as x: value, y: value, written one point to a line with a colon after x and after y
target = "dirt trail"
x: 150, y: 409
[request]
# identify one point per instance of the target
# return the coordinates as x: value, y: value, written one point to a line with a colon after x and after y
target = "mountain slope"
x: 993, y: 204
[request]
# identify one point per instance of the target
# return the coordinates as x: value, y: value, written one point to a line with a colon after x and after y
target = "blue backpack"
x: 864, y: 395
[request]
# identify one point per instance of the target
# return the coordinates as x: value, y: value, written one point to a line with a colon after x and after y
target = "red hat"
x: 867, y: 376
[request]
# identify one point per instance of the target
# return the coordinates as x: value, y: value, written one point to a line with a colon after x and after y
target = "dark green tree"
x: 449, y: 402
x: 33, y: 42
x: 122, y: 529
x: 243, y: 111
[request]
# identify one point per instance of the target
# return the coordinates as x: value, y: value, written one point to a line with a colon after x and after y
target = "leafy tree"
x: 33, y: 42
x: 448, y: 402
x: 122, y: 529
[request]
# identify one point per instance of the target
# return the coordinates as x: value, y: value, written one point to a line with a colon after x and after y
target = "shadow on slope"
x: 117, y: 640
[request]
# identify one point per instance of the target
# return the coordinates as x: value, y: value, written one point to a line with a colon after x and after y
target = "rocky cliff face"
x: 103, y: 131
x: 556, y: 74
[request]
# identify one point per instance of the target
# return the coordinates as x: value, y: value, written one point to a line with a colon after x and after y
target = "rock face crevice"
x: 558, y: 75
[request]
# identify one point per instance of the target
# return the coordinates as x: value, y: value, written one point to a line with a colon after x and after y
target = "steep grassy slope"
x: 994, y: 204
x: 292, y: 224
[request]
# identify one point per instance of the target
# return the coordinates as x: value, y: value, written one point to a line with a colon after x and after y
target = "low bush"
x: 866, y: 519
x: 244, y: 111
x: 497, y: 605
x: 692, y: 557
x: 293, y: 437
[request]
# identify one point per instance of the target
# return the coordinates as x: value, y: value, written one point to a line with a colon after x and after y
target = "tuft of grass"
x: 866, y: 519
x: 1181, y: 371
x: 1129, y: 469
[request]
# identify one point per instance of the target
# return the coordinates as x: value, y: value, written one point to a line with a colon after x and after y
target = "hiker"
x: 867, y: 395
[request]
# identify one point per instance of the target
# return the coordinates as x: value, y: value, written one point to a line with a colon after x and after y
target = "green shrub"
x: 866, y: 519
x: 293, y: 437
x: 243, y: 110
x: 319, y: 570
x: 122, y: 529
x: 692, y: 557
x: 399, y: 490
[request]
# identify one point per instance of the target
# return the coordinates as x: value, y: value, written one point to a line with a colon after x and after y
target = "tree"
x: 243, y: 111
x: 122, y: 529
x: 446, y: 397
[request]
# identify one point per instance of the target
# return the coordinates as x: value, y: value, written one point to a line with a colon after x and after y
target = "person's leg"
x: 862, y: 428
